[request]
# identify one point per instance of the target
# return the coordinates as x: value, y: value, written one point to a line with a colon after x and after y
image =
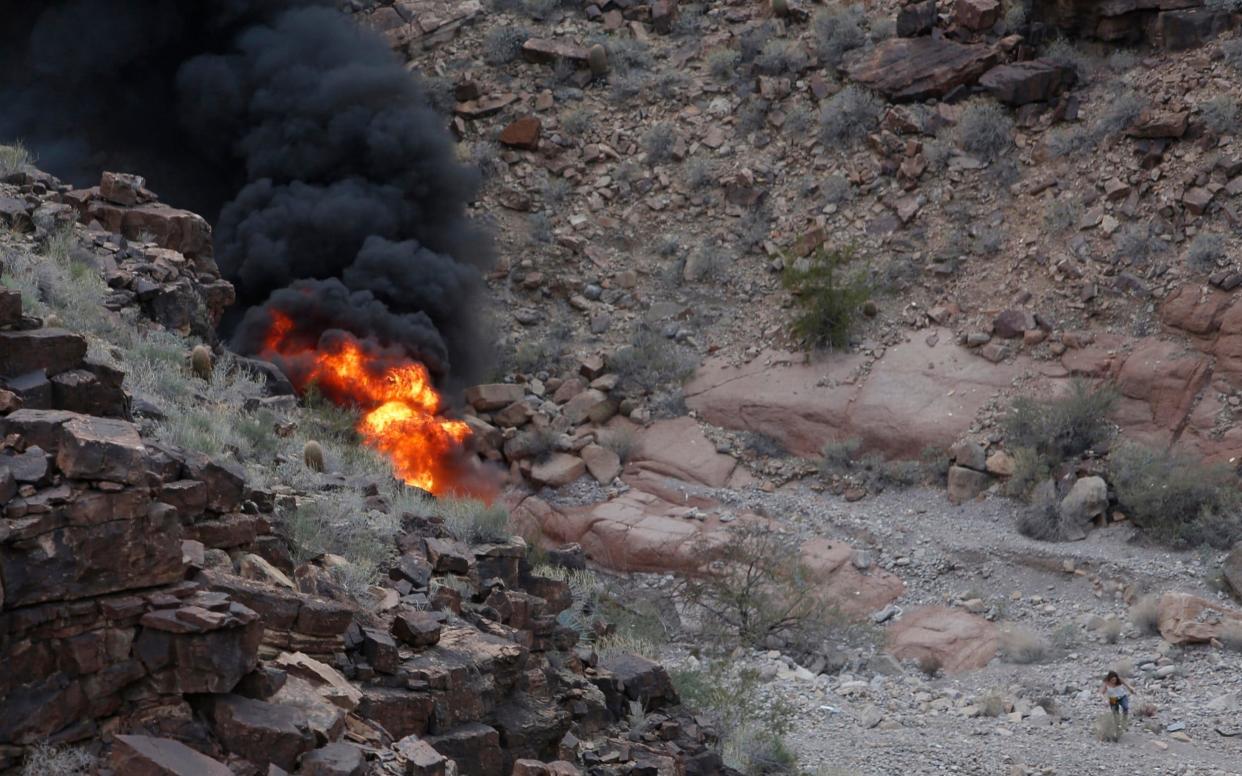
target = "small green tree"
x: 829, y: 303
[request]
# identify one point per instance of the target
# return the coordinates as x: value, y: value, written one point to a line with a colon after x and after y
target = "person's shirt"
x: 1118, y: 691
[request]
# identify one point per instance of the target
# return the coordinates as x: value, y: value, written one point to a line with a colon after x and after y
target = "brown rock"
x: 1197, y: 200
x: 559, y: 469
x: 10, y: 306
x: 678, y: 448
x: 261, y: 732
x: 147, y: 756
x: 1011, y: 324
x: 1160, y: 124
x: 546, y: 51
x: 642, y: 680
x: 52, y: 350
x: 965, y: 484
x: 101, y: 449
x: 603, y: 464
x: 977, y: 15
x: 1000, y: 464
x: 917, y: 68
x: 916, y: 18
x: 335, y: 759
x: 1189, y: 619
x: 420, y: 758
x: 122, y: 188
x: 493, y: 396
x: 1021, y: 83
x: 418, y: 628
x: 523, y: 133
x: 590, y: 404
x: 954, y: 639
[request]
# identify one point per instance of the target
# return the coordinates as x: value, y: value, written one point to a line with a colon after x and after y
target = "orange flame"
x: 400, y: 406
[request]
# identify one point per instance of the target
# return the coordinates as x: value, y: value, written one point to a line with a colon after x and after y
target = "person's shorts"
x: 1123, y: 702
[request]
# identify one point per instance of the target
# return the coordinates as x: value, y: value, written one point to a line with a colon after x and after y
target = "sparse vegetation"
x: 1231, y: 52
x: 658, y: 143
x: 1176, y: 499
x: 1065, y: 53
x: 503, y: 44
x: 1220, y: 115
x: 836, y: 189
x: 1144, y: 615
x: 848, y: 116
x: 13, y: 157
x: 838, y: 30
x: 1205, y: 250
x: 1061, y: 215
x: 578, y: 121
x: 706, y: 263
x: 699, y: 173
x: 1024, y: 646
x: 984, y: 129
x: 829, y: 302
x: 339, y: 522
x: 722, y: 64
x: 1065, y: 427
x: 47, y: 760
x: 621, y: 441
x: 1042, y: 519
x: 471, y: 520
x: 1135, y: 244
x: 780, y: 56
x: 1107, y: 727
x: 555, y: 191
x: 539, y: 228
x: 650, y: 362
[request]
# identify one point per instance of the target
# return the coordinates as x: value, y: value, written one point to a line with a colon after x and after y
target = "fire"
x: 401, y: 409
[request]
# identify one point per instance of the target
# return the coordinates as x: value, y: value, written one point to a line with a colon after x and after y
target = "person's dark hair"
x: 1111, y: 676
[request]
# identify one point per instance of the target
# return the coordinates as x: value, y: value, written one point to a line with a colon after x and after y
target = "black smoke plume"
x: 334, y: 186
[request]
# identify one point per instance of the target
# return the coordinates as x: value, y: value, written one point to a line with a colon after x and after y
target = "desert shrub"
x: 649, y: 362
x: 626, y: 86
x: 1066, y: 54
x: 1016, y: 12
x: 621, y: 440
x: 779, y: 56
x: 752, y: 40
x: 838, y: 456
x: 750, y: 730
x: 1231, y: 636
x: 753, y: 228
x: 669, y: 83
x: 984, y: 129
x: 1134, y: 243
x: 658, y: 143
x: 1062, y: 215
x: 1030, y: 468
x: 751, y: 116
x: 798, y: 121
x: 485, y: 156
x: 763, y: 445
x: 1231, y: 52
x: 555, y: 191
x: 992, y: 704
x: 48, y: 760
x: 1174, y: 498
x: 936, y: 152
x: 1024, y: 646
x: 13, y: 157
x: 1063, y: 427
x: 836, y: 189
x: 539, y: 228
x: 1107, y: 727
x: 1066, y: 140
x: 1205, y: 251
x: 471, y: 520
x: 625, y: 54
x: 1041, y: 519
x: 503, y: 44
x: 706, y: 263
x: 699, y: 173
x: 848, y: 116
x: 829, y: 303
x: 722, y: 64
x: 578, y: 121
x: 1120, y: 113
x: 1110, y: 630
x: 1144, y: 614
x: 689, y: 20
x: 935, y: 462
x: 1220, y: 115
x: 540, y: 9
x: 339, y: 522
x: 584, y: 591
x: 838, y: 30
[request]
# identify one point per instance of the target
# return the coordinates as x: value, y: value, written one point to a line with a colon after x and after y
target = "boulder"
x: 1189, y: 619
x: 260, y: 732
x: 1021, y: 83
x: 1160, y: 124
x: 545, y: 50
x: 965, y: 484
x: 1231, y: 568
x: 641, y: 680
x: 679, y: 448
x: 94, y: 448
x: 1086, y: 500
x: 51, y: 350
x: 418, y: 628
x: 523, y: 133
x: 10, y: 306
x: 603, y: 464
x: 148, y: 756
x: 977, y: 15
x: 123, y: 189
x: 1011, y: 324
x: 559, y: 469
x: 421, y: 759
x: 906, y: 69
x: 970, y: 454
x: 951, y: 638
x: 917, y: 18
x: 474, y: 746
x: 493, y: 396
x: 335, y: 759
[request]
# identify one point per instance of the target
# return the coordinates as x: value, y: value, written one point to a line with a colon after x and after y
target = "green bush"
x: 339, y: 522
x: 838, y: 30
x: 1064, y: 427
x: 1176, y: 499
x: 829, y: 303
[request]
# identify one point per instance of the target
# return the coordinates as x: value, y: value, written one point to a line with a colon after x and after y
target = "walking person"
x: 1117, y: 691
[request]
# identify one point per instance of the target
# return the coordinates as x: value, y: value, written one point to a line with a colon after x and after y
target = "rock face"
x: 1174, y: 24
x: 951, y: 638
x: 906, y: 69
x: 147, y: 756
